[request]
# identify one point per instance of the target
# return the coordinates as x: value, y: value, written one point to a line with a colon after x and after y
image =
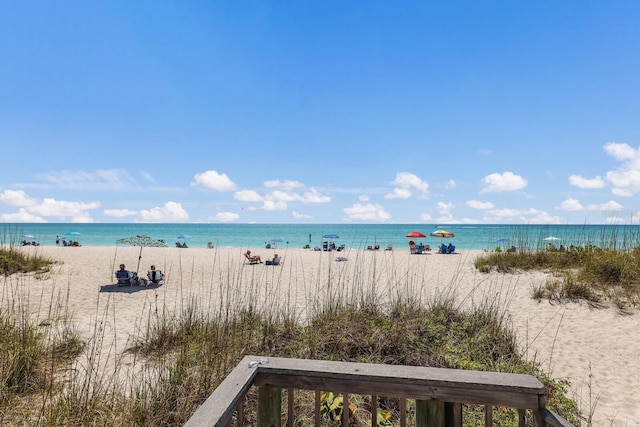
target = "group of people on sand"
x: 131, y: 278
x: 257, y: 259
x: 64, y: 242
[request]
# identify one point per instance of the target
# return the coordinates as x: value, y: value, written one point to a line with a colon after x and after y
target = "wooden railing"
x: 439, y: 393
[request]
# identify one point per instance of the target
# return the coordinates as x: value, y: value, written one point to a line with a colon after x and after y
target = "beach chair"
x: 155, y: 276
x: 442, y: 249
x: 451, y: 249
x: 275, y: 261
x: 123, y: 277
x: 252, y: 259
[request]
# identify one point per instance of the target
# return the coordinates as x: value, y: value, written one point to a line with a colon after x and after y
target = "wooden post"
x: 430, y: 413
x: 269, y: 406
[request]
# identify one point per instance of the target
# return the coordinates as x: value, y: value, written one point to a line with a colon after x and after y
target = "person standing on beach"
x: 57, y: 240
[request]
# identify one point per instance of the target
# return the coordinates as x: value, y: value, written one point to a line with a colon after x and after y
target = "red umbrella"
x: 415, y: 234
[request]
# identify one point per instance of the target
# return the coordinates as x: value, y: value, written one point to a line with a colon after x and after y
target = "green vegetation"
x: 591, y: 274
x: 13, y: 260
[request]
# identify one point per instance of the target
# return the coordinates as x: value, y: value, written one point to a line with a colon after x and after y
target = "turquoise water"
x: 356, y: 236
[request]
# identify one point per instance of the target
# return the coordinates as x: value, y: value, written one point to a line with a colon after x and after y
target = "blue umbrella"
x: 503, y: 240
x: 184, y: 236
x: 330, y: 236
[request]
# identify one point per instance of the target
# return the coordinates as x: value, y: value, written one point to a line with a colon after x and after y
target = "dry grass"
x: 180, y: 358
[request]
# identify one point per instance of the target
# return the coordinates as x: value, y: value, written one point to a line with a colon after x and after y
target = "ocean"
x: 355, y: 236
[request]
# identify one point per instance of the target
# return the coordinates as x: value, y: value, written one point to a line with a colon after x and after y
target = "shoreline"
x: 595, y: 349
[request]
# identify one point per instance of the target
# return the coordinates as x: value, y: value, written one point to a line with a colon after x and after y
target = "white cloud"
x: 425, y: 217
x: 364, y: 198
x: 63, y: 209
x: 17, y: 198
x: 626, y: 178
x: 247, y: 196
x: 21, y: 216
x: 314, y: 196
x: 214, y: 180
x: 282, y: 196
x: 119, y: 213
x: 368, y: 212
x: 274, y: 205
x: 444, y: 208
x: 570, y: 205
x: 226, y: 217
x: 48, y: 207
x: 103, y: 179
x: 170, y: 212
x: 477, y: 204
x: 298, y: 215
x: 450, y: 184
x: 521, y: 216
x: 575, y: 205
x: 620, y: 151
x: 285, y: 185
x: 399, y: 193
x: 508, y: 181
x: 580, y: 182
x: 405, y: 182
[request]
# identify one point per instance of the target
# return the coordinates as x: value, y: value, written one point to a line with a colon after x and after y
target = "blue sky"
x: 429, y: 112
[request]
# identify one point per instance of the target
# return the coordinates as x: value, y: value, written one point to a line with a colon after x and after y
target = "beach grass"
x: 590, y: 274
x: 179, y: 356
x: 13, y: 260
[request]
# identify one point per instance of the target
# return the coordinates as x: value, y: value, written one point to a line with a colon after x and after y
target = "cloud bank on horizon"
x: 292, y: 197
x: 319, y: 113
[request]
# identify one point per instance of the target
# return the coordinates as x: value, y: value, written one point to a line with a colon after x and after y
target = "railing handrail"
x: 415, y: 382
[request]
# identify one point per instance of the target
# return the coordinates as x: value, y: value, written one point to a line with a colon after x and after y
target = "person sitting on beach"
x: 253, y: 259
x: 274, y: 261
x: 155, y: 276
x: 126, y: 277
x: 209, y: 245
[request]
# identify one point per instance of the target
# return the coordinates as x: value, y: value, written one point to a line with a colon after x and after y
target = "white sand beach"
x: 597, y: 350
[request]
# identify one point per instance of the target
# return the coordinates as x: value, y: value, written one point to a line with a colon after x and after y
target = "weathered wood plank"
x: 269, y: 407
x: 219, y: 406
x: 420, y: 383
x: 553, y: 420
x: 515, y: 390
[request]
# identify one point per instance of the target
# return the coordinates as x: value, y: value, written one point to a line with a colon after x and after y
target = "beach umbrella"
x: 330, y: 236
x: 415, y: 234
x: 29, y: 236
x: 503, y: 240
x: 142, y: 241
x: 73, y: 233
x: 442, y: 234
x: 551, y: 238
x: 184, y: 236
